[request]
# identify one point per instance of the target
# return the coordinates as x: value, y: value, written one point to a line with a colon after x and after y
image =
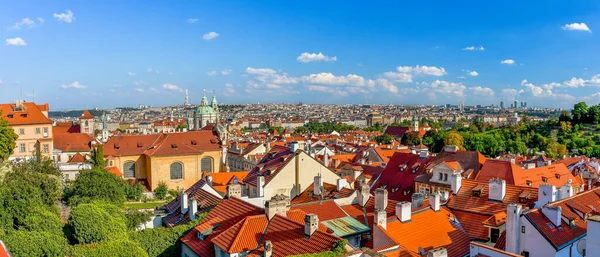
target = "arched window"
x: 129, y: 169
x: 206, y: 164
x: 176, y: 171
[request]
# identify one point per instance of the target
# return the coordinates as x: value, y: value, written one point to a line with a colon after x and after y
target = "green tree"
x: 579, y: 112
x: 96, y: 222
x: 134, y: 192
x: 410, y: 139
x: 40, y: 164
x: 593, y: 114
x: 98, y: 156
x: 565, y: 127
x: 134, y: 217
x: 34, y: 243
x: 163, y: 241
x: 97, y: 184
x: 384, y: 139
x: 160, y: 191
x: 43, y: 220
x: 113, y: 248
x: 564, y: 116
x: 454, y: 138
x: 8, y: 138
x: 279, y: 130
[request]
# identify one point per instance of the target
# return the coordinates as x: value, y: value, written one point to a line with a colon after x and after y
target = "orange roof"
x: 86, y: 115
x: 77, y: 158
x: 454, y: 165
x: 243, y: 236
x: 192, y: 142
x: 65, y: 127
x: 73, y: 142
x: 30, y: 114
x: 226, y: 178
x: 556, y: 175
x: 473, y: 224
x: 343, y: 157
x: 429, y: 229
x: 3, y: 250
x: 465, y: 201
x: 496, y: 220
x: 330, y: 193
x: 115, y: 170
x: 327, y: 210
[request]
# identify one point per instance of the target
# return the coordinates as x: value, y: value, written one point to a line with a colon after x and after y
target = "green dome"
x: 205, y: 110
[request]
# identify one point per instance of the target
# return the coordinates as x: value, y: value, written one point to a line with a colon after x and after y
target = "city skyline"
x: 77, y: 55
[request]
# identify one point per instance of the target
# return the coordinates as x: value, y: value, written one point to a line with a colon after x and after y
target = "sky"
x: 113, y: 53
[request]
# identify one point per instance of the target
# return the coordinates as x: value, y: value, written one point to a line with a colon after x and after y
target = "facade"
x: 86, y: 123
x: 244, y: 156
x: 31, y: 123
x: 206, y: 114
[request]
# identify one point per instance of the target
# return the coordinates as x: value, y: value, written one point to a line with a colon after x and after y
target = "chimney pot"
x: 184, y: 203
x: 417, y: 200
x: 193, y: 209
x: 363, y: 194
x: 497, y: 189
x: 341, y: 183
x: 317, y: 185
x: 268, y: 249
x: 438, y: 252
x: 234, y: 190
x: 434, y: 201
x: 404, y: 211
x: 381, y: 198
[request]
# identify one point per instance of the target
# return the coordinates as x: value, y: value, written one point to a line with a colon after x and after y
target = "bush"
x: 97, y: 184
x: 135, y: 192
x: 95, y: 222
x: 161, y: 190
x: 34, y: 243
x: 134, y: 218
x: 163, y: 241
x: 42, y: 220
x: 114, y: 248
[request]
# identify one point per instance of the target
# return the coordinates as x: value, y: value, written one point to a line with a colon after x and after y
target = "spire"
x: 204, y: 99
x: 214, y: 103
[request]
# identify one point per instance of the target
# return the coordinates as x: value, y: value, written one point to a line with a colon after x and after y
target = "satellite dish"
x: 581, y: 246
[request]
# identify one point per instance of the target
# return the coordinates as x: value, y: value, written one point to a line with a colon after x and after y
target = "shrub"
x: 161, y: 190
x: 95, y: 222
x: 97, y: 184
x: 42, y: 220
x: 135, y: 192
x: 134, y: 218
x: 114, y: 248
x: 34, y: 243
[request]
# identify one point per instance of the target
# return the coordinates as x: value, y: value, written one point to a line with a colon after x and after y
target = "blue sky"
x: 86, y: 54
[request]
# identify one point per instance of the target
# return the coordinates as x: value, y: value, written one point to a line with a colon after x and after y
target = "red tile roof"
x: 86, y: 115
x: 473, y: 224
x: 270, y: 165
x: 65, y: 127
x: 30, y: 114
x: 501, y: 242
x: 129, y: 145
x: 326, y: 210
x: 192, y: 142
x: 515, y: 175
x: 571, y: 209
x: 243, y: 236
x: 3, y: 250
x: 73, y: 142
x: 77, y: 158
x: 398, y: 181
x: 396, y: 131
x: 115, y: 170
x: 357, y: 212
x: 330, y: 193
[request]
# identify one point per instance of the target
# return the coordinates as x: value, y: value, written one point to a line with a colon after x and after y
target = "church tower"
x: 206, y: 114
x: 414, y: 125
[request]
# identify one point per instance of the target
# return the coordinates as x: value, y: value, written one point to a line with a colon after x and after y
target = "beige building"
x: 178, y: 159
x: 31, y: 123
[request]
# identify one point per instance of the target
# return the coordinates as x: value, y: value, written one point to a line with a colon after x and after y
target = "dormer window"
x: 557, y: 176
x: 529, y: 183
x: 524, y: 197
x: 478, y: 190
x: 117, y: 146
x: 545, y: 179
x: 402, y: 167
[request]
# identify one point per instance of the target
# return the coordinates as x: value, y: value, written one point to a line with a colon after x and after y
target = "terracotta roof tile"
x: 330, y: 193
x: 30, y: 114
x: 270, y: 165
x: 326, y: 210
x: 86, y: 115
x: 473, y: 224
x: 557, y: 174
x: 243, y: 236
x: 115, y: 170
x: 65, y: 127
x: 465, y: 201
x: 73, y: 142
x: 396, y: 131
x: 77, y: 158
x: 501, y: 242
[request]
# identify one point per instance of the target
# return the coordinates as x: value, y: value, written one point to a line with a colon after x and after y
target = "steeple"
x: 213, y: 102
x: 204, y: 99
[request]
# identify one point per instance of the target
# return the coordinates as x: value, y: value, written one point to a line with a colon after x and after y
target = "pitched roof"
x: 30, y: 114
x: 86, y: 115
x: 270, y: 165
x: 575, y: 208
x: 501, y: 169
x: 472, y: 223
x: 396, y: 131
x: 243, y: 236
x: 357, y: 212
x: 65, y: 127
x: 191, y: 142
x: 398, y: 175
x: 77, y: 158
x: 73, y: 142
x: 330, y: 193
x: 3, y: 250
x: 115, y: 170
x: 556, y: 175
x: 430, y: 229
x: 469, y: 161
x: 326, y: 210
x: 129, y: 145
x: 454, y: 165
x: 464, y: 200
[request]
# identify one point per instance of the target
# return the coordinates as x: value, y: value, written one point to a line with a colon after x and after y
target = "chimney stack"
x: 434, y: 201
x: 566, y: 190
x: 455, y: 183
x: 438, y: 252
x: 260, y: 185
x: 451, y: 148
x: 326, y: 158
x: 404, y: 211
x: 318, y: 185
x: 311, y: 223
x: 546, y: 194
x: 417, y: 200
x: 380, y: 218
x: 363, y: 194
x: 294, y: 146
x: 193, y: 209
x: 381, y: 198
x: 279, y: 204
x: 341, y: 183
x: 513, y: 227
x: 268, y: 249
x: 497, y: 189
x: 184, y: 203
x: 554, y: 214
x: 234, y: 190
x: 209, y: 179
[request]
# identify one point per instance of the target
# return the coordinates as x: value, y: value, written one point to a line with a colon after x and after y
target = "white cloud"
x: 225, y: 72
x: 67, y: 16
x: 130, y: 73
x: 511, y: 93
x: 574, y: 82
x: 473, y: 48
x: 595, y: 80
x: 139, y: 90
x: 75, y: 85
x: 26, y: 22
x: 172, y: 87
x: 576, y: 26
x: 447, y: 88
x: 210, y: 35
x: 325, y: 78
x: 473, y: 73
x: 1, y: 81
x: 40, y: 20
x: 508, y: 62
x: 545, y: 91
x: 112, y: 90
x: 260, y: 71
x: 314, y: 57
x: 387, y: 85
x: 192, y: 20
x: 398, y: 77
x: 422, y: 70
x: 17, y: 41
x: 229, y: 90
x: 482, y: 91
x: 211, y: 73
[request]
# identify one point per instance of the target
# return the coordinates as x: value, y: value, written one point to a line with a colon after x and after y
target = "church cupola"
x: 213, y: 102
x: 204, y: 99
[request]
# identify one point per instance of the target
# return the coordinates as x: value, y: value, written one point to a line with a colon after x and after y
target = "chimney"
x: 417, y: 200
x: 193, y: 209
x: 326, y: 159
x: 434, y: 201
x: 566, y: 190
x: 546, y: 194
x: 497, y: 189
x: 184, y: 203
x: 424, y: 154
x: 403, y: 211
x: 234, y: 190
x: 209, y: 180
x: 455, y: 183
x: 554, y: 214
x: 279, y: 204
x: 294, y: 146
x: 341, y: 183
x: 451, y: 148
x: 513, y: 227
x: 268, y: 249
x: 318, y: 185
x: 381, y: 199
x: 260, y: 185
x: 380, y: 218
x: 438, y: 252
x: 363, y: 194
x: 311, y: 223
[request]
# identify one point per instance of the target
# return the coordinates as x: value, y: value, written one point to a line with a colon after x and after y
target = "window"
x: 495, y: 234
x: 129, y: 169
x: 45, y: 130
x: 21, y: 131
x: 46, y: 148
x: 441, y: 177
x: 176, y: 171
x: 523, y: 229
x: 38, y: 130
x: 445, y: 177
x: 22, y: 147
x: 525, y: 253
x: 206, y: 164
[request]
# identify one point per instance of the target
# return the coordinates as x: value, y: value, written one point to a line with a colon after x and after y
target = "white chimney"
x: 566, y: 190
x: 260, y: 185
x: 381, y: 199
x: 341, y: 183
x: 193, y: 208
x: 434, y: 201
x: 268, y: 249
x: 451, y: 148
x: 294, y: 146
x: 234, y: 190
x: 209, y: 180
x: 279, y: 204
x: 363, y: 194
x: 546, y: 194
x: 404, y: 211
x: 184, y: 203
x: 553, y: 213
x: 438, y: 252
x: 380, y: 218
x: 513, y: 227
x: 455, y: 183
x: 497, y: 189
x: 317, y: 185
x: 311, y: 223
x: 326, y: 159
x: 424, y: 154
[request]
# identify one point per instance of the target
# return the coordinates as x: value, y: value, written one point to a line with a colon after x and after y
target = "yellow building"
x: 30, y: 121
x: 178, y: 159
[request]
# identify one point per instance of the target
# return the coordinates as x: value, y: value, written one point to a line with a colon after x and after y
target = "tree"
x: 35, y: 243
x: 160, y: 191
x: 134, y: 192
x: 97, y: 184
x: 556, y: 150
x: 579, y: 112
x: 564, y: 116
x: 593, y: 114
x: 163, y: 241
x: 565, y: 127
x: 42, y: 220
x: 279, y: 130
x: 39, y: 164
x: 98, y: 156
x: 8, y: 138
x: 410, y: 139
x: 454, y: 138
x: 384, y: 139
x: 96, y: 222
x: 134, y: 218
x: 114, y: 248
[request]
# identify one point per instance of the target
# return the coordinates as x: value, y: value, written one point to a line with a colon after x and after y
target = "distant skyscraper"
x: 501, y: 104
x: 516, y: 105
x: 187, y: 98
x: 461, y: 106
